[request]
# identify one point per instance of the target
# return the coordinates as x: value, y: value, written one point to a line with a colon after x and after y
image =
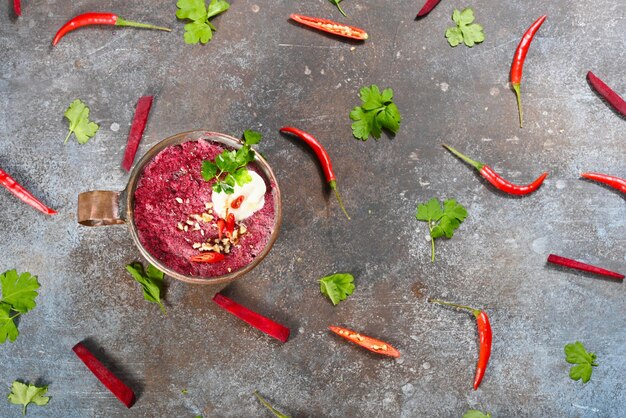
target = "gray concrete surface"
x: 261, y: 71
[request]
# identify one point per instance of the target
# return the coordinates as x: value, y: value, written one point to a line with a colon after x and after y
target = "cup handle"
x: 100, y: 208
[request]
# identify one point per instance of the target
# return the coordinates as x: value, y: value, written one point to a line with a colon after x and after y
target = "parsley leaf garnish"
x: 151, y: 280
x: 22, y: 394
x: 337, y: 286
x: 465, y: 31
x: 78, y: 116
x: 473, y: 413
x: 441, y: 221
x: 584, y: 361
x: 336, y: 3
x: 229, y: 167
x: 200, y: 29
x: 377, y: 112
x: 18, y: 297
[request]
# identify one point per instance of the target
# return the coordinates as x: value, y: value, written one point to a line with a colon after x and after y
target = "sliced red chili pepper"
x: 24, y: 195
x: 331, y: 27
x: 266, y: 325
x: 427, y: 7
x: 104, y: 375
x: 609, y: 95
x: 221, y: 225
x: 497, y: 180
x: 615, y: 182
x: 136, y: 130
x: 236, y: 204
x: 517, y: 67
x: 17, y: 7
x: 568, y: 262
x: 323, y: 158
x: 89, y: 19
x: 230, y: 224
x: 369, y: 343
x: 484, y: 335
x: 207, y: 257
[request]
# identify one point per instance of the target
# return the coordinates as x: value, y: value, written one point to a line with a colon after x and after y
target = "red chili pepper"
x: 230, y: 224
x: 609, y: 95
x: 24, y: 195
x: 221, y: 225
x: 330, y: 26
x: 372, y: 344
x: 236, y: 204
x: 484, y: 335
x: 323, y: 158
x: 17, y: 7
x: 104, y: 375
x: 208, y: 257
x: 517, y: 66
x: 136, y: 130
x: 266, y: 325
x: 497, y: 180
x: 427, y: 7
x: 89, y: 19
x: 568, y: 262
x: 615, y: 182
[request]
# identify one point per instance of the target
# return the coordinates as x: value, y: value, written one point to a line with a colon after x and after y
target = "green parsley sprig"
x: 465, y: 31
x: 229, y: 168
x: 22, y: 394
x: 441, y: 221
x: 584, y: 361
x: 200, y: 29
x: 377, y: 112
x: 151, y: 280
x: 78, y: 116
x: 18, y: 297
x: 337, y: 286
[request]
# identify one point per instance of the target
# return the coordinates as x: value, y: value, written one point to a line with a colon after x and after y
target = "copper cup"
x: 102, y: 208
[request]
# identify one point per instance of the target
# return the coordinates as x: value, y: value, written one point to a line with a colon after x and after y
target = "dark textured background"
x: 261, y: 71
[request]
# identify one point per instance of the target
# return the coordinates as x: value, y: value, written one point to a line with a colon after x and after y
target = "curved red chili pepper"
x: 427, y: 7
x: 88, y: 19
x: 332, y: 27
x: 322, y: 156
x: 497, y: 180
x: 615, y: 182
x: 609, y: 95
x: 230, y: 224
x: 484, y: 336
x: 236, y: 204
x: 517, y: 66
x: 24, y: 195
x: 17, y: 7
x: 208, y: 257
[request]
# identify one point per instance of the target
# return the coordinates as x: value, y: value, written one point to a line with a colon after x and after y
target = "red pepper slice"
x: 221, y: 225
x: 136, y: 130
x: 24, y: 195
x: 89, y: 19
x: 607, y: 93
x: 266, y: 325
x: 104, y: 375
x: 207, y: 257
x: 17, y: 7
x: 427, y: 7
x: 517, y: 66
x: 230, y: 224
x: 236, y: 204
x: 497, y: 180
x: 568, y: 262
x: 615, y: 182
x: 372, y: 344
x: 331, y: 27
x: 484, y: 335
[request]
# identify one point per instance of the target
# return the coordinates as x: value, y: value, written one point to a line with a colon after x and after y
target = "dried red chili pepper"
x: 89, y: 19
x: 427, y: 7
x: 207, y: 257
x: 484, y: 335
x: 24, y: 195
x: 578, y: 265
x: 517, y: 67
x: 266, y: 325
x: 372, y: 344
x: 236, y: 204
x: 331, y: 27
x: 17, y: 7
x: 136, y: 130
x: 497, y: 180
x: 323, y: 158
x: 615, y: 182
x: 609, y: 95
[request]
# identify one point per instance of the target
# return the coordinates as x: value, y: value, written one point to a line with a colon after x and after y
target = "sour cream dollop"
x: 253, y: 194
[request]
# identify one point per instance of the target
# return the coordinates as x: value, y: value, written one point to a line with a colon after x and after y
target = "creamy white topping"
x: 253, y: 194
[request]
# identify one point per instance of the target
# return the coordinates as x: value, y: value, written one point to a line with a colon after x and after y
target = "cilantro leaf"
x: 465, y: 31
x: 191, y: 9
x: 78, y: 116
x: 337, y: 286
x: 251, y: 137
x: 377, y: 112
x: 8, y: 329
x: 227, y: 161
x: 242, y: 176
x: 336, y: 3
x: 22, y: 394
x: 473, y: 413
x: 441, y: 221
x: 18, y: 295
x: 216, y: 7
x: 575, y: 353
x: 199, y: 29
x: 209, y: 170
x: 151, y: 280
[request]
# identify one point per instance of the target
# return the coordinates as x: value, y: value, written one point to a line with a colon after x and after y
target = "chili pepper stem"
x: 518, y: 95
x: 478, y: 166
x: 340, y: 9
x: 333, y: 185
x: 475, y: 312
x: 122, y: 22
